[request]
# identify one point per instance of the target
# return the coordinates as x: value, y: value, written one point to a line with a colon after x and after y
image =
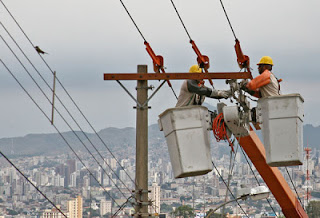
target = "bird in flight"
x: 39, y: 50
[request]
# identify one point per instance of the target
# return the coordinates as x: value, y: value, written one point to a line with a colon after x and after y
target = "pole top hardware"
x: 177, y: 76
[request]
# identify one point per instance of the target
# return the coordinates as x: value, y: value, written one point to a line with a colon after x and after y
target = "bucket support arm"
x: 272, y: 176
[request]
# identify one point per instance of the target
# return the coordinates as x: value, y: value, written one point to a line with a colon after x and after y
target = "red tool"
x: 243, y: 60
x: 202, y: 60
x: 157, y: 61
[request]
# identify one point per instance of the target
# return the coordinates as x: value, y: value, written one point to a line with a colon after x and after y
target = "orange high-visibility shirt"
x: 266, y: 83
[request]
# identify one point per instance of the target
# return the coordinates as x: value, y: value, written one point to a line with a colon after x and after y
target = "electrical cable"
x: 228, y: 183
x: 220, y: 131
x: 225, y: 12
x: 231, y: 167
x: 202, y: 60
x: 78, y: 108
x: 73, y: 103
x: 60, y: 84
x: 121, y: 207
x: 72, y: 98
x: 293, y: 185
x: 181, y: 20
x: 145, y: 41
x: 256, y: 178
x: 15, y: 78
x: 22, y: 174
x: 133, y: 20
x: 69, y: 124
x: 229, y: 188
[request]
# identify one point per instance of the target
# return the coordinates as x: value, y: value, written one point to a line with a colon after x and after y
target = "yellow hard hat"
x: 195, y: 69
x: 266, y: 60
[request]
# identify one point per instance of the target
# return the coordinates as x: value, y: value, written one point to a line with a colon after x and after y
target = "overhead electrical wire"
x: 22, y: 174
x: 63, y: 104
x: 256, y: 178
x: 56, y: 128
x: 191, y: 40
x: 71, y: 117
x: 225, y: 12
x: 121, y: 207
x: 69, y: 124
x: 70, y: 113
x: 145, y: 41
x: 293, y: 185
x: 233, y: 32
x: 228, y: 188
x: 231, y: 166
x: 142, y: 37
x: 174, y: 6
x: 66, y: 110
x: 202, y: 60
x: 76, y: 105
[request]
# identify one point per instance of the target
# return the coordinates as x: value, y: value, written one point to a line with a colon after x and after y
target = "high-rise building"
x: 105, y: 207
x: 73, y: 180
x: 71, y: 165
x: 154, y: 196
x: 75, y: 207
x: 113, y: 163
x: 53, y: 213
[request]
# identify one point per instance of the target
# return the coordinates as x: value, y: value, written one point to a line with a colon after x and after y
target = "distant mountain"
x: 121, y: 141
x: 51, y: 144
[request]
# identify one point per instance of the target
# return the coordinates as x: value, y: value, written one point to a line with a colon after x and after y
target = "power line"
x: 12, y: 164
x: 181, y: 20
x: 256, y: 178
x: 121, y: 207
x: 231, y: 166
x: 145, y: 42
x: 51, y: 90
x: 56, y: 129
x: 72, y: 101
x: 133, y: 20
x: 225, y: 12
x: 62, y: 116
x: 293, y: 185
x: 69, y: 124
x: 67, y: 93
x: 228, y: 188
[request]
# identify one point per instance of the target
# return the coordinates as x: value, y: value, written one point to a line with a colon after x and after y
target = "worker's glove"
x: 224, y: 94
x: 243, y: 84
x: 218, y: 94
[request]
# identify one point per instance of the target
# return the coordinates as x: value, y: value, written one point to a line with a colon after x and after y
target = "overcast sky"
x: 85, y: 39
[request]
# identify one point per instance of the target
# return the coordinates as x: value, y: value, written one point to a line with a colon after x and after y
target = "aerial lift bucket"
x: 282, y: 129
x: 188, y: 140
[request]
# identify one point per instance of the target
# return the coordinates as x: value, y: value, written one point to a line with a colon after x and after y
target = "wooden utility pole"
x: 142, y: 146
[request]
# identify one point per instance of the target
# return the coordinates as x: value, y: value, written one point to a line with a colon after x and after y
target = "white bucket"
x: 187, y: 136
x: 282, y: 129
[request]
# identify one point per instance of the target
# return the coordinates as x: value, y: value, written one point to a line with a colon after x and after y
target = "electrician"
x: 193, y: 92
x: 266, y: 84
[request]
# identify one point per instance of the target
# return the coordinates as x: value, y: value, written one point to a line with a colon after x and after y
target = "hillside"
x: 117, y: 140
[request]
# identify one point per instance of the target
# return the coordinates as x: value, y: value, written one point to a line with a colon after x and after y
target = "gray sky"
x: 85, y: 40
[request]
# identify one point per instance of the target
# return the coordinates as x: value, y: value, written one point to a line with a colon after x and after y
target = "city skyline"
x: 160, y: 172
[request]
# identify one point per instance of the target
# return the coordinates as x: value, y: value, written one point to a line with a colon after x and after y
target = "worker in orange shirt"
x: 193, y: 92
x: 266, y: 84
